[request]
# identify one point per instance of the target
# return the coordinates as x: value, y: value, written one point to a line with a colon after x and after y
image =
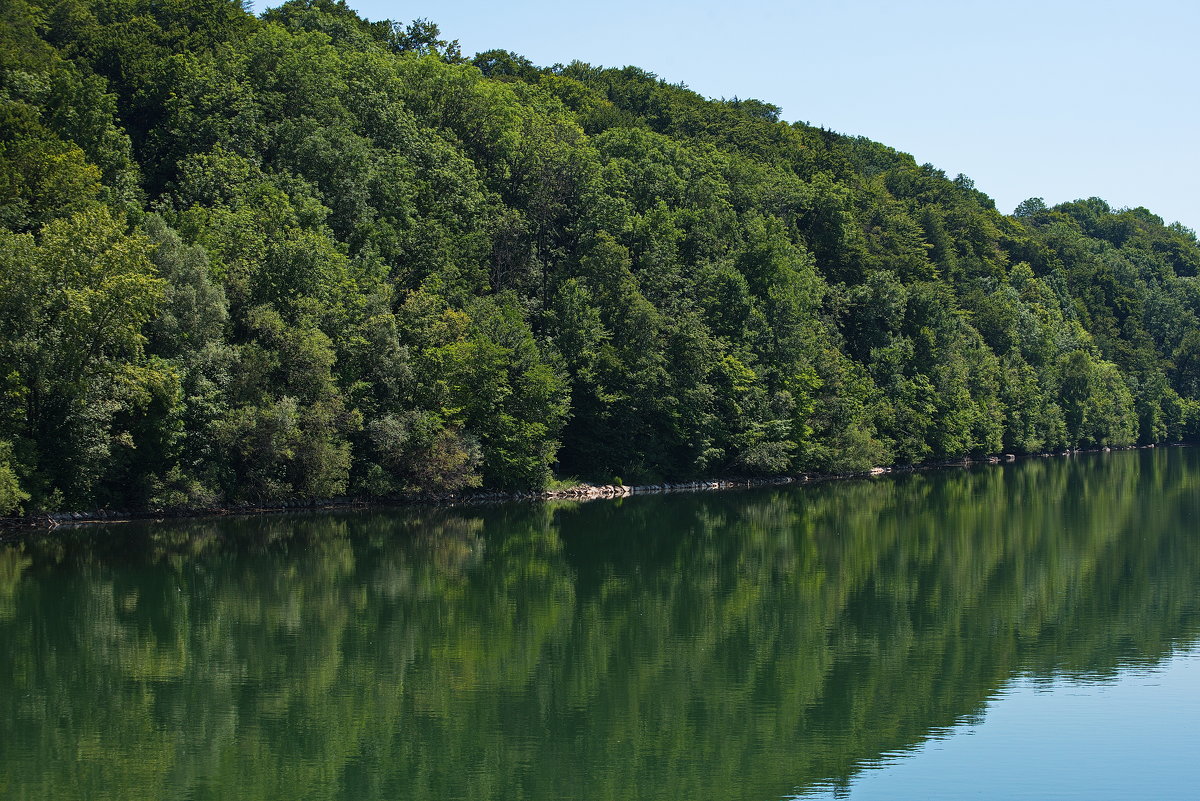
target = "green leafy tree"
x: 75, y: 299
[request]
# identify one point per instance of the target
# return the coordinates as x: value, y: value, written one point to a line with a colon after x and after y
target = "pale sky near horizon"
x: 1059, y: 99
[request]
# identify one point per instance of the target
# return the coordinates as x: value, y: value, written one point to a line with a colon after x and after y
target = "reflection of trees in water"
x: 728, y: 645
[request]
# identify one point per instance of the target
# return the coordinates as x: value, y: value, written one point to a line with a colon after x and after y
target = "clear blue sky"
x: 1059, y: 99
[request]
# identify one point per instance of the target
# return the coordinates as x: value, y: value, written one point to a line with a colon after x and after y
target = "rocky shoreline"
x: 579, y: 493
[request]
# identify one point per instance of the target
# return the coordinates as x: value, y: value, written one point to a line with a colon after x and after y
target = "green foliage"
x: 41, y: 176
x: 74, y: 300
x: 11, y: 494
x: 306, y: 255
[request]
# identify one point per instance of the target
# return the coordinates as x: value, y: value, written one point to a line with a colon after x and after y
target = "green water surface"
x: 1016, y: 631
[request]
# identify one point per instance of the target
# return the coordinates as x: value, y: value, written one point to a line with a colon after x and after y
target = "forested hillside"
x: 306, y: 255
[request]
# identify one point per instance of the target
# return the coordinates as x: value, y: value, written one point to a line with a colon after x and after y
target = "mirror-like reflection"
x: 1132, y: 736
x: 734, y: 645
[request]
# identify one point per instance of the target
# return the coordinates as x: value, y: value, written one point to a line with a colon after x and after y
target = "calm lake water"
x: 1019, y: 631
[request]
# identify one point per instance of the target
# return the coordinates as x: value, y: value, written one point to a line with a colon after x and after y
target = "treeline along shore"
x: 15, y: 527
x: 303, y: 256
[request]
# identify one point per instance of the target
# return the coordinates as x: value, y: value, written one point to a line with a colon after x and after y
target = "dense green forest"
x: 305, y: 255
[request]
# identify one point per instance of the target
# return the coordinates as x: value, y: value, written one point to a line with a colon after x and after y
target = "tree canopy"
x: 253, y: 259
